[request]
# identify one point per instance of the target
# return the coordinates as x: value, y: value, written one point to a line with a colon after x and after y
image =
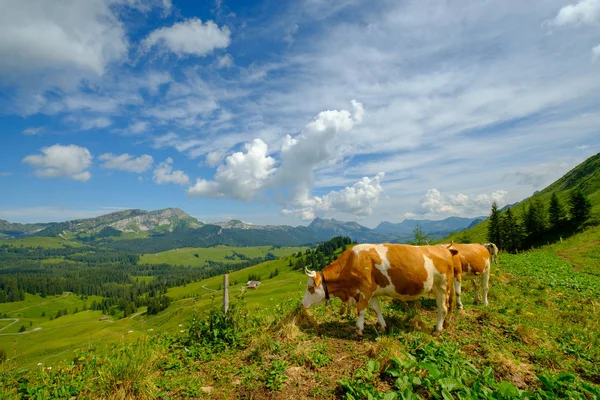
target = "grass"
x: 537, y: 339
x: 45, y: 242
x: 186, y: 256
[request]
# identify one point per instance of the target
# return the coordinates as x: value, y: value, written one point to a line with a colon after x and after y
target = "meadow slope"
x: 536, y: 339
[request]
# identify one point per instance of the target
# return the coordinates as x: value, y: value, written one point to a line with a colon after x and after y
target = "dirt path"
x: 14, y: 321
x: 564, y: 254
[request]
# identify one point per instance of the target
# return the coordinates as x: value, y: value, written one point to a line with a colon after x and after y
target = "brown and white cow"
x: 475, y: 260
x: 366, y: 271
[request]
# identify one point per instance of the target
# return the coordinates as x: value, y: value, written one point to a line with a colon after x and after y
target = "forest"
x: 539, y: 224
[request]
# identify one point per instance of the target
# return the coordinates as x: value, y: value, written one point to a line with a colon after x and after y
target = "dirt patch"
x: 518, y: 373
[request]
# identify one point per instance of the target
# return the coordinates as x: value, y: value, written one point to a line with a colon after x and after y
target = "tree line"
x: 539, y: 222
x: 322, y: 256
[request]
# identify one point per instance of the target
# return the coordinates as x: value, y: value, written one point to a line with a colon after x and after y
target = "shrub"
x: 127, y: 373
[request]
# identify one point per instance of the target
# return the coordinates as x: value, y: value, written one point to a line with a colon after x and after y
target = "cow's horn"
x: 310, y: 273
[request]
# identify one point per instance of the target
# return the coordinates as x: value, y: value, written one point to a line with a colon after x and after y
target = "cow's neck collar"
x: 325, y: 286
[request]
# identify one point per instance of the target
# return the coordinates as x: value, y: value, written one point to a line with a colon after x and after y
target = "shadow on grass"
x: 401, y: 318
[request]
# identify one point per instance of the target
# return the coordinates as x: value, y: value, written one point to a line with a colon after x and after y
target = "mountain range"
x: 151, y: 231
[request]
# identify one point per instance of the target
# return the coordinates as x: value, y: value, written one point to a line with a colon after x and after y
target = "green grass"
x: 45, y: 242
x: 185, y: 256
x: 538, y: 338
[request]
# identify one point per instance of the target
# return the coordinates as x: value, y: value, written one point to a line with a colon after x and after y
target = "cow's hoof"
x: 436, y: 333
x: 381, y: 328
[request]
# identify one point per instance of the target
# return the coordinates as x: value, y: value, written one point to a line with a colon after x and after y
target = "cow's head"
x: 315, y: 293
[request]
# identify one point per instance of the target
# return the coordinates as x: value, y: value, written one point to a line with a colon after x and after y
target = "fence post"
x: 225, y: 293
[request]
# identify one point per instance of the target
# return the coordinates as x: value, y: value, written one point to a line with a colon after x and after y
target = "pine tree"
x: 494, y: 228
x: 580, y: 207
x: 535, y: 219
x: 557, y: 212
x: 512, y: 235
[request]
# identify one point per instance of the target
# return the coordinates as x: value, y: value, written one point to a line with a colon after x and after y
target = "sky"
x: 277, y: 112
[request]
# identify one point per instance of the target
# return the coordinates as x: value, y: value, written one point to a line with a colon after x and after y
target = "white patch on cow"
x: 431, y: 273
x: 311, y: 299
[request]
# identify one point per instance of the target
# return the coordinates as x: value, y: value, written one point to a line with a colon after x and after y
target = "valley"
x: 107, y: 313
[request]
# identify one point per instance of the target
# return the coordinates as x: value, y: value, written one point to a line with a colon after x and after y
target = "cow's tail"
x: 450, y: 277
x: 491, y: 247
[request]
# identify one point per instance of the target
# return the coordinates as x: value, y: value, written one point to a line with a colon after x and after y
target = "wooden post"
x: 225, y: 293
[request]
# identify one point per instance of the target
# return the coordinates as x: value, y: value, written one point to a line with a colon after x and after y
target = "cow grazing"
x: 474, y: 265
x: 366, y: 271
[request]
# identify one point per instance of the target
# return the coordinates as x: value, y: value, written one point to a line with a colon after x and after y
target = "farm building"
x: 252, y: 284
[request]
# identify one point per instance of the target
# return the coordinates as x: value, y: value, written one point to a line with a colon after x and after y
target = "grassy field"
x: 538, y: 338
x: 46, y: 242
x: 185, y: 256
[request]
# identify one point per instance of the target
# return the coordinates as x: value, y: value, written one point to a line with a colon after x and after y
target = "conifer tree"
x: 535, y: 219
x: 512, y: 235
x: 580, y: 207
x: 557, y: 212
x: 494, y: 233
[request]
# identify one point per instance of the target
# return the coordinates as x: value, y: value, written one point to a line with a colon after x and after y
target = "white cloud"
x: 36, y: 36
x: 137, y: 127
x: 62, y: 161
x: 300, y: 155
x: 33, y: 130
x: 596, y: 53
x: 358, y: 200
x: 241, y: 176
x: 4, y: 174
x: 191, y: 36
x: 95, y: 123
x: 126, y: 162
x: 582, y: 12
x: 164, y: 173
x: 225, y: 61
x: 434, y: 204
x: 214, y: 158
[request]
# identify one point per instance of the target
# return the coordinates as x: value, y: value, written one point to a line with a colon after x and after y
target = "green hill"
x: 585, y: 176
x: 535, y: 340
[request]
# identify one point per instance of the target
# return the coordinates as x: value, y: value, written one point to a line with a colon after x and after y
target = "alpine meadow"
x: 311, y: 199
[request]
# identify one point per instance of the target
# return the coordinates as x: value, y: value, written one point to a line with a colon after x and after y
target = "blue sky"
x: 278, y: 112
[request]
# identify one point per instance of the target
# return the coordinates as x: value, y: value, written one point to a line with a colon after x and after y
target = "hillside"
x: 585, y: 176
x: 535, y: 340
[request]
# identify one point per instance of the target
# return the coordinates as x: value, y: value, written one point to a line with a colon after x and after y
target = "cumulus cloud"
x: 434, y: 204
x: 300, y: 155
x: 358, y: 199
x: 33, y: 130
x: 126, y: 162
x: 37, y: 36
x: 190, y: 37
x: 241, y: 176
x: 164, y: 173
x: 62, y: 161
x: 582, y: 12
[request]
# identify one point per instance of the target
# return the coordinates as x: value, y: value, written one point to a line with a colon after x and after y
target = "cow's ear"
x: 453, y: 251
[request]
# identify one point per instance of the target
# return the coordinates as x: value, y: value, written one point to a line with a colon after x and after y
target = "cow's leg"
x: 457, y: 291
x: 374, y: 303
x: 485, y: 279
x: 476, y: 288
x: 361, y: 310
x: 440, y: 299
